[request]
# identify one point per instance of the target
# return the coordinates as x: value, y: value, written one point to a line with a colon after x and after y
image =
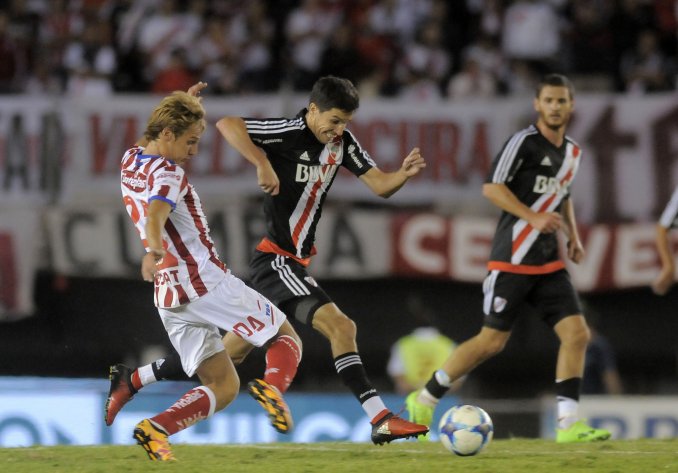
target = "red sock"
x: 282, y: 359
x: 196, y: 405
x: 136, y: 381
x: 380, y: 416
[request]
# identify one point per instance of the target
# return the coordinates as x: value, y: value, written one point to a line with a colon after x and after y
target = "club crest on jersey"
x: 499, y: 304
x: 546, y: 185
x: 306, y: 173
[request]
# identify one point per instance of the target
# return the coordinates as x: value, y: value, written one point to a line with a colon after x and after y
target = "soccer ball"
x: 465, y: 430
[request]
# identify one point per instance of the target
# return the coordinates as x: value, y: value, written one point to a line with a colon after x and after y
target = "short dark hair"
x: 334, y: 92
x: 555, y: 80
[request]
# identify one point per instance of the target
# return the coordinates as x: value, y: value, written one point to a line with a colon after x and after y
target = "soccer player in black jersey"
x: 530, y: 181
x: 297, y: 160
x: 667, y: 222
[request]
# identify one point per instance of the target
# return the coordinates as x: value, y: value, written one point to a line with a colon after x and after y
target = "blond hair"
x: 178, y: 112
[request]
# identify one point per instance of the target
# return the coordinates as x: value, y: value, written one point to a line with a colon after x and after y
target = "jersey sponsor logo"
x: 170, y: 175
x: 351, y: 153
x: 307, y: 173
x: 304, y: 156
x: 134, y: 182
x: 272, y: 140
x: 546, y: 161
x: 546, y: 185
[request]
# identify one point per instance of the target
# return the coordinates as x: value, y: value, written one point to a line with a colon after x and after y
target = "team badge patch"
x: 499, y: 304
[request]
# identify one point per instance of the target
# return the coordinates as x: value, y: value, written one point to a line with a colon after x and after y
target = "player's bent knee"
x: 225, y: 392
x: 345, y: 327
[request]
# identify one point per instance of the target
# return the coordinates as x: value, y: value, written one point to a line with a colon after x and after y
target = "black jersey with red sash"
x: 306, y: 169
x: 539, y: 174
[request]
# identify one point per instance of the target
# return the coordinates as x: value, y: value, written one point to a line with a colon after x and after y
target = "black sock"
x: 569, y: 388
x: 435, y: 388
x: 352, y: 372
x: 169, y: 368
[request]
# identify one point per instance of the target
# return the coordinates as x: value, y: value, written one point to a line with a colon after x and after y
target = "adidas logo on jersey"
x: 304, y: 156
x: 546, y: 161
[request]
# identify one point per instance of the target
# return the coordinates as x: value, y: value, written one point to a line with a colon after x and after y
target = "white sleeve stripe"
x: 289, y: 278
x: 269, y: 126
x: 670, y: 212
x: 509, y: 154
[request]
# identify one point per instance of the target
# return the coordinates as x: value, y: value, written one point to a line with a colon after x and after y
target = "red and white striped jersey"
x: 192, y: 266
x: 539, y: 174
x: 306, y: 169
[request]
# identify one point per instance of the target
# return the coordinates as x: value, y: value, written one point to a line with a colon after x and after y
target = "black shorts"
x: 552, y: 295
x: 285, y: 282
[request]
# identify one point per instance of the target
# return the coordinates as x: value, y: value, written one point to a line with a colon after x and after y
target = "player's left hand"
x: 413, y: 163
x: 575, y: 251
x: 149, y: 264
x: 663, y: 281
x: 196, y: 88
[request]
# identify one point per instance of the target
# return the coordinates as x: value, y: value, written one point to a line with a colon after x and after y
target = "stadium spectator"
x: 425, y: 65
x: 217, y: 56
x: 530, y: 181
x: 90, y: 62
x: 176, y: 75
x: 9, y: 58
x: 163, y: 31
x: 645, y: 68
x: 307, y: 28
x: 253, y: 32
x: 472, y: 82
x: 531, y: 32
x: 416, y: 355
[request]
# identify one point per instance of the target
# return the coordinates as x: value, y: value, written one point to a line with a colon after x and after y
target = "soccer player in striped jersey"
x: 667, y: 221
x: 195, y: 293
x: 530, y: 182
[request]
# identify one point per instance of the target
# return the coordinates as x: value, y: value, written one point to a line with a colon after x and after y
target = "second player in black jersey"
x: 306, y: 169
x: 297, y: 160
x: 529, y: 181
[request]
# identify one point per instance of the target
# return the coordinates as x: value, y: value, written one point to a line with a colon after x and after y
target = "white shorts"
x: 193, y: 328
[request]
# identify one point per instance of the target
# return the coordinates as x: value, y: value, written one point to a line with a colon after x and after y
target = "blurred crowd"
x: 419, y: 49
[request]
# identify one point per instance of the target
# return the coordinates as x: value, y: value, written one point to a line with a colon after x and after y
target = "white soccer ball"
x: 465, y: 430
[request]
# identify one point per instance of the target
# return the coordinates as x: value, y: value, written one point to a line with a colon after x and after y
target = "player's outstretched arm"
x: 234, y: 131
x: 385, y: 184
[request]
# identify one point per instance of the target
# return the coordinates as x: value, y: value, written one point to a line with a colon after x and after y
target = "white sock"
x: 373, y: 406
x: 567, y: 412
x: 146, y: 375
x: 427, y: 398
